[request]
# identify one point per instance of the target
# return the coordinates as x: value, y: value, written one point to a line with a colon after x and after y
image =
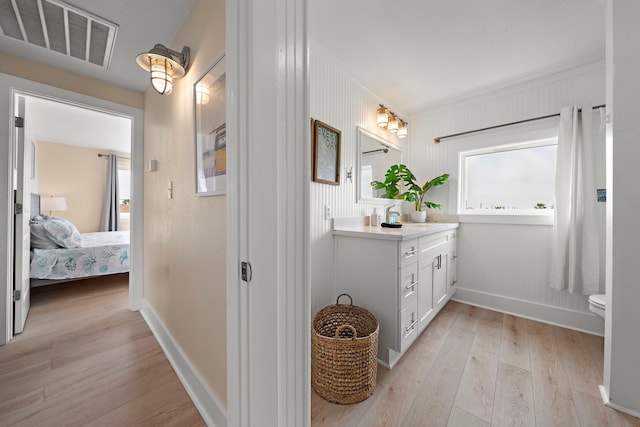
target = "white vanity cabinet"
x: 402, y: 276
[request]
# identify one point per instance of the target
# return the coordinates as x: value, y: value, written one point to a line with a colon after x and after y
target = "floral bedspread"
x: 99, y: 254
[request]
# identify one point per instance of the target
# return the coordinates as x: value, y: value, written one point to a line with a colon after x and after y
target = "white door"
x: 22, y: 232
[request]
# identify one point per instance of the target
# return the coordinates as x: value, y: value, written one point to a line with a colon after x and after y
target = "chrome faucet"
x: 388, y: 213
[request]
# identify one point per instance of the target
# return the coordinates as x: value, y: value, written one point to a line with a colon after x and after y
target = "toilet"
x: 597, y: 305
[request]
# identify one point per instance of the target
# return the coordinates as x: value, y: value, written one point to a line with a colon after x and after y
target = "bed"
x: 60, y: 253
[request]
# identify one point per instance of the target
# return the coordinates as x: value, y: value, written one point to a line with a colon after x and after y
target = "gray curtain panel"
x: 111, y: 213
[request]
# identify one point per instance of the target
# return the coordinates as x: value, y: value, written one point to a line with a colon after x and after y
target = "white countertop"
x: 409, y: 230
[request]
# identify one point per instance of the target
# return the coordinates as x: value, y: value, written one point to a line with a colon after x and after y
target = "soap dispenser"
x: 373, y: 221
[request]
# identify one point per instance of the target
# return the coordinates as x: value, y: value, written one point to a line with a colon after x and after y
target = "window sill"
x: 506, y: 219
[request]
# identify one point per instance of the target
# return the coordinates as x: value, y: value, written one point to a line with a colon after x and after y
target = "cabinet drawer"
x: 429, y: 242
x: 408, y: 252
x: 408, y: 285
x: 408, y: 326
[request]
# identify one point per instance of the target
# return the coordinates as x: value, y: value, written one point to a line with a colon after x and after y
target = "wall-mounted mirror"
x: 374, y: 156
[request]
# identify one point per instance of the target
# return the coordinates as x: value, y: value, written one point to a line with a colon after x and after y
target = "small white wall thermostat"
x: 153, y: 165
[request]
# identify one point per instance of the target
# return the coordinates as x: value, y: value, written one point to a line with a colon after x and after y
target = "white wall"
x: 337, y: 99
x: 622, y: 347
x: 185, y: 236
x: 505, y: 266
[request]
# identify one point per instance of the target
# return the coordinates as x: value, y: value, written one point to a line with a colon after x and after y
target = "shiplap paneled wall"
x: 337, y: 99
x: 506, y: 266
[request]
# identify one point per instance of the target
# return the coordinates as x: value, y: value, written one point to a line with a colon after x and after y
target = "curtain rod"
x: 107, y: 155
x: 440, y: 138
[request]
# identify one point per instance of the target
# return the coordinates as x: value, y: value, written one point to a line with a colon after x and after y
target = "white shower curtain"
x: 576, y: 253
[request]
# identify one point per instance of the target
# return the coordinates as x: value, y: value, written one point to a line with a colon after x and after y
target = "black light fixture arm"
x: 182, y: 57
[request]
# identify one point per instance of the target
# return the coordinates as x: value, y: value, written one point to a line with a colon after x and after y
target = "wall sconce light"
x: 390, y: 122
x: 165, y: 65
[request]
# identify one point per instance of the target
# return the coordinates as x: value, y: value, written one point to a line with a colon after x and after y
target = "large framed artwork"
x: 326, y: 153
x: 211, y: 132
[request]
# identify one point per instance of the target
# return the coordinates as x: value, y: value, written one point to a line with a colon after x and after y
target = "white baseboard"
x: 571, y: 319
x: 210, y: 408
x: 604, y: 393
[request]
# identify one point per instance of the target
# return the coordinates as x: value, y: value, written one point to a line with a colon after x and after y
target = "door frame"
x: 268, y: 318
x: 11, y: 86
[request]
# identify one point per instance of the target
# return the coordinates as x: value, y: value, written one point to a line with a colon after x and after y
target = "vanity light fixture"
x: 390, y: 122
x: 165, y: 65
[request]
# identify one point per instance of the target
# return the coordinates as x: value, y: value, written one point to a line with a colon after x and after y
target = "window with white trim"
x: 512, y: 179
x: 124, y: 183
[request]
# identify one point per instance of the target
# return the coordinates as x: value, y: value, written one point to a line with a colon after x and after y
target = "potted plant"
x: 397, y: 174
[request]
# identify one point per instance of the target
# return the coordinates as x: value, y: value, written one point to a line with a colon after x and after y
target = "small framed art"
x: 326, y: 153
x: 211, y: 134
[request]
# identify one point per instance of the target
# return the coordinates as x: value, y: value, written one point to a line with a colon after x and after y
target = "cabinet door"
x: 427, y: 265
x: 440, y: 279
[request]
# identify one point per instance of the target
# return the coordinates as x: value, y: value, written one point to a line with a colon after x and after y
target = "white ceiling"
x: 419, y: 53
x: 60, y: 123
x: 412, y: 53
x: 141, y: 24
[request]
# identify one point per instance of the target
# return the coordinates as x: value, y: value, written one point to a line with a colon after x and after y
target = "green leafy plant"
x: 400, y: 175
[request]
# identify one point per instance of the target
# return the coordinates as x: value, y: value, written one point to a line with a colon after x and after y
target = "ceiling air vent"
x: 59, y: 27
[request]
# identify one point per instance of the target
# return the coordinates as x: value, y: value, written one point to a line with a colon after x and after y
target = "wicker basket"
x: 344, y: 349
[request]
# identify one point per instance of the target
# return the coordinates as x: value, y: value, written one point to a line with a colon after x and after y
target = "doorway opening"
x: 72, y: 172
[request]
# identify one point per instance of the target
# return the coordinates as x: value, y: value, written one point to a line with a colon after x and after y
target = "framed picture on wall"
x: 210, y: 130
x: 326, y: 153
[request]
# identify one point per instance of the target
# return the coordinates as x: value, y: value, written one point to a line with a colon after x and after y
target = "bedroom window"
x: 124, y: 183
x: 513, y: 179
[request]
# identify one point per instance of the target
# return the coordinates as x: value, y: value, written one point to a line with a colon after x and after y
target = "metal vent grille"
x: 59, y: 27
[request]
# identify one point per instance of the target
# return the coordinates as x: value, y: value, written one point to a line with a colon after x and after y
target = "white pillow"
x: 39, y: 237
x: 63, y: 232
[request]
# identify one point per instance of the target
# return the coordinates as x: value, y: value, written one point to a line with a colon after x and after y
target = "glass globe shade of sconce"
x: 392, y: 126
x: 402, y: 129
x: 161, y: 76
x: 382, y: 114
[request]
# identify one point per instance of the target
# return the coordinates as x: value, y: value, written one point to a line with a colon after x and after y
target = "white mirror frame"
x: 363, y: 133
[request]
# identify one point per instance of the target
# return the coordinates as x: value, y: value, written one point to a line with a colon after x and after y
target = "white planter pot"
x: 419, y: 216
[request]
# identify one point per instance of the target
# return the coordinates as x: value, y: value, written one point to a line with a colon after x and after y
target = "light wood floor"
x: 85, y: 359
x: 475, y: 367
